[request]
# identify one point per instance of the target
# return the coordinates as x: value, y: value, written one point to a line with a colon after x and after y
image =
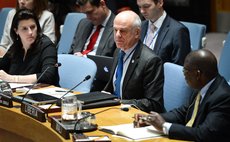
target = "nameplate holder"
x: 59, y: 128
x: 6, y: 101
x: 33, y: 111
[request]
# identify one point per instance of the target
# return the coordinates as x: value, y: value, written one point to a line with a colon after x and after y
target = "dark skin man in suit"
x: 212, y: 119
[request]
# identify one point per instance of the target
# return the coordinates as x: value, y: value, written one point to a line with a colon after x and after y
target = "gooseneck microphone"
x: 32, y: 86
x: 85, y: 79
x: 30, y: 109
x: 59, y: 100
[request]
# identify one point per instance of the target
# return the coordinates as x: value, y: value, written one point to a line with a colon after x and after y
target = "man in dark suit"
x: 141, y: 83
x: 97, y: 15
x: 167, y: 37
x: 209, y: 119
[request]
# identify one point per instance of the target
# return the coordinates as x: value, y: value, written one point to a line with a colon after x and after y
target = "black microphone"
x: 93, y: 114
x: 32, y: 86
x: 85, y: 79
x: 31, y: 110
x: 59, y: 100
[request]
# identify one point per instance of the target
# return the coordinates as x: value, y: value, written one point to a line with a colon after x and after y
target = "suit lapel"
x: 106, y: 34
x: 144, y: 28
x: 132, y: 65
x: 86, y: 33
x: 162, y: 33
x: 209, y: 92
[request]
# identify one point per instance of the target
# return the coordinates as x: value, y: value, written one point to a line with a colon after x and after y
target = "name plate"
x: 6, y: 101
x: 59, y: 128
x: 33, y: 111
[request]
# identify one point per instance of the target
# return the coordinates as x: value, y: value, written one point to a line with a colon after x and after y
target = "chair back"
x: 223, y: 66
x: 197, y: 33
x: 3, y: 14
x: 176, y: 90
x: 74, y: 69
x: 68, y: 32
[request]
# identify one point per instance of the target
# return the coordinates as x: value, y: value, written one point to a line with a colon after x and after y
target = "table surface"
x: 16, y: 126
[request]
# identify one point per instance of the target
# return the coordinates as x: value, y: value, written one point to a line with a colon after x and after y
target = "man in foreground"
x: 206, y: 115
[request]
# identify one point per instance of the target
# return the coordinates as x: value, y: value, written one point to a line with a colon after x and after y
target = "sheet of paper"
x: 127, y: 130
x: 18, y: 85
x: 54, y: 91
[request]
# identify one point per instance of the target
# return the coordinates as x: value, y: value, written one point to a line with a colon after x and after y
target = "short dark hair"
x: 92, y: 2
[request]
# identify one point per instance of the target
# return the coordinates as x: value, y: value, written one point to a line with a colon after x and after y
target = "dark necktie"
x: 119, y: 74
x: 92, y: 40
x: 195, y: 110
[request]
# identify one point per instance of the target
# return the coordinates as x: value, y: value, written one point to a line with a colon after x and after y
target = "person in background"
x: 46, y: 20
x: 31, y: 54
x: 99, y: 22
x: 167, y: 37
x: 137, y: 73
x: 60, y: 8
x: 117, y: 6
x: 206, y: 115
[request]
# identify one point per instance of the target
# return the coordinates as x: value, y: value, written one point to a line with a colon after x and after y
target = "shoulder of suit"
x: 45, y: 41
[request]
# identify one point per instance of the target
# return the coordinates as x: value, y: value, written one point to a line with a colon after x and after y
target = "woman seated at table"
x: 31, y: 54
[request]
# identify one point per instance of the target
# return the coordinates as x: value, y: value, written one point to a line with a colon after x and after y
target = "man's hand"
x: 78, y: 54
x: 156, y: 120
x: 153, y: 118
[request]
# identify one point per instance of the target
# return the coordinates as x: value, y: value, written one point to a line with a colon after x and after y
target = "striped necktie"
x: 195, y: 110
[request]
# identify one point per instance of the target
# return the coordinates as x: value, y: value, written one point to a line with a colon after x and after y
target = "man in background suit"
x: 97, y: 14
x: 142, y: 78
x: 167, y: 37
x: 211, y: 122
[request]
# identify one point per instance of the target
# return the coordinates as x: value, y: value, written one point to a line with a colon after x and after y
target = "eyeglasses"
x: 185, y: 70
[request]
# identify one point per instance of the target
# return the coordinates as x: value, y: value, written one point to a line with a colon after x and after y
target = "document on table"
x: 127, y: 130
x: 53, y: 91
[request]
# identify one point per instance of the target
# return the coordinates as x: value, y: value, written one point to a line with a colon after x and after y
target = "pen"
x: 62, y: 91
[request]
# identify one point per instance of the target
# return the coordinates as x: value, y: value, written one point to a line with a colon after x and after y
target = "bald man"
x: 211, y: 122
x: 141, y: 83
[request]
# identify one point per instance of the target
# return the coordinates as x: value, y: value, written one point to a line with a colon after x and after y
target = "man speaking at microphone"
x: 137, y: 73
x: 33, y: 56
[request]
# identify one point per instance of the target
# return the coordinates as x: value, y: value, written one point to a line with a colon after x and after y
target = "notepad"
x: 128, y: 130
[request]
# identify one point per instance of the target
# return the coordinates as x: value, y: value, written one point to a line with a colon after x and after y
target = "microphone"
x: 32, y: 86
x: 31, y: 110
x: 85, y: 79
x: 5, y: 94
x: 70, y: 90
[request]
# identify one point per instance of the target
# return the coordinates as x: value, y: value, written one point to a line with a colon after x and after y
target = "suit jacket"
x: 173, y: 41
x: 143, y: 81
x: 106, y: 46
x: 213, y: 118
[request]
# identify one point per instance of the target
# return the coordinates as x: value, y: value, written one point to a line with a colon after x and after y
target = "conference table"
x: 16, y: 126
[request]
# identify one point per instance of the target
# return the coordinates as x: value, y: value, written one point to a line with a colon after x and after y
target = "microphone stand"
x: 31, y: 110
x: 85, y: 79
